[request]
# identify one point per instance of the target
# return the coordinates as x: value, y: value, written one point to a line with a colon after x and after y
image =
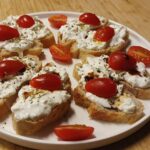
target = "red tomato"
x: 25, y: 21
x: 121, y: 61
x: 73, y: 132
x: 10, y: 67
x: 48, y: 81
x: 7, y: 33
x: 57, y: 20
x: 102, y: 87
x: 104, y: 34
x: 89, y: 18
x: 60, y: 53
x: 140, y: 54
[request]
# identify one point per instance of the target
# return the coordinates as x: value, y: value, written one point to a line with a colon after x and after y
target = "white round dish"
x: 105, y: 133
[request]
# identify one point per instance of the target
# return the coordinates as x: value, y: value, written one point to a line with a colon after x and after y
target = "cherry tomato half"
x: 10, y: 67
x: 73, y: 132
x: 89, y: 18
x: 60, y: 53
x: 7, y: 33
x: 25, y: 21
x: 57, y: 20
x: 140, y: 54
x: 104, y: 34
x: 121, y: 61
x: 102, y: 87
x: 48, y: 81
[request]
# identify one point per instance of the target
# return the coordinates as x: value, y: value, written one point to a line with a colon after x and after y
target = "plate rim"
x: 6, y: 134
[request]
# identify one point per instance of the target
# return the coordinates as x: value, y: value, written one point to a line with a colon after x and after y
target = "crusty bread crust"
x: 6, y: 103
x: 36, y: 48
x: 100, y: 113
x: 82, y: 53
x: 137, y: 92
x: 28, y: 127
x: 48, y: 40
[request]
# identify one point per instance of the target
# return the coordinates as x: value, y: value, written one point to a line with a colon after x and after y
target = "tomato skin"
x: 25, y: 21
x: 60, y: 53
x: 89, y: 18
x: 73, y: 132
x: 7, y: 33
x: 104, y: 34
x: 140, y: 54
x: 10, y: 67
x: 57, y: 20
x: 102, y: 87
x: 121, y: 61
x: 48, y: 81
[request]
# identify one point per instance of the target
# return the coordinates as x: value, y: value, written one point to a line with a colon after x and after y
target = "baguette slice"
x: 99, y: 112
x: 141, y: 93
x: 35, y: 49
x: 6, y: 101
x: 121, y: 34
x: 28, y: 126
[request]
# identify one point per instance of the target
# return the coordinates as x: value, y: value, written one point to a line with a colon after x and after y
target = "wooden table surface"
x: 132, y: 13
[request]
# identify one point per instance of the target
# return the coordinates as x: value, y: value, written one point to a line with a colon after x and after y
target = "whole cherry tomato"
x: 60, y: 53
x: 48, y: 81
x: 102, y: 87
x: 57, y: 20
x: 140, y: 54
x: 121, y: 61
x: 7, y: 33
x: 104, y: 34
x: 25, y: 21
x: 73, y: 132
x: 89, y: 18
x: 10, y: 67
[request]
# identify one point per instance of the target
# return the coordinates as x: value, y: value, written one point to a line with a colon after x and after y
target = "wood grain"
x: 133, y: 13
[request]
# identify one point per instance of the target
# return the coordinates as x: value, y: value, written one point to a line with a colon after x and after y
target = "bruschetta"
x: 121, y: 107
x: 135, y: 77
x: 85, y: 35
x: 45, y: 100
x: 15, y: 72
x: 23, y: 35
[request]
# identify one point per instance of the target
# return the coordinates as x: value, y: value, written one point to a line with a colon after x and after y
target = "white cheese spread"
x: 137, y: 81
x: 10, y: 87
x: 27, y: 35
x: 98, y: 100
x: 120, y: 34
x: 39, y: 103
x: 127, y: 104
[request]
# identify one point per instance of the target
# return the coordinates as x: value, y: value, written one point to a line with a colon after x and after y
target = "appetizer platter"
x: 71, y: 80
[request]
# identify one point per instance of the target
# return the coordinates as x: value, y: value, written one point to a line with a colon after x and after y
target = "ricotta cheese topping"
x: 98, y: 100
x: 84, y: 34
x: 120, y: 34
x: 76, y: 30
x: 27, y: 35
x: 127, y: 104
x: 137, y: 81
x: 98, y: 67
x: 38, y: 103
x: 10, y: 87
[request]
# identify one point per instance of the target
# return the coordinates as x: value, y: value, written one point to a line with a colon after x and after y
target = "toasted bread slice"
x: 35, y: 49
x: 99, y: 112
x: 82, y: 53
x: 82, y: 43
x: 9, y: 88
x: 139, y: 92
x: 56, y: 103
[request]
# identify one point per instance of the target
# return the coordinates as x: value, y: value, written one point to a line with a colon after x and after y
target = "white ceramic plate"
x: 105, y: 133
